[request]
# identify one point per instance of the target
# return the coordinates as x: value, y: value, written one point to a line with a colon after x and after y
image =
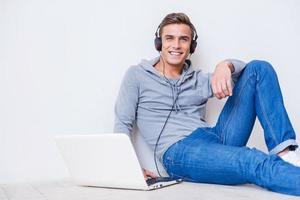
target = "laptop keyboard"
x: 152, y: 181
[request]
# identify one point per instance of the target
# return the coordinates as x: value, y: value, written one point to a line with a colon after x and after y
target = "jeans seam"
x: 266, y: 118
x: 214, y: 134
x: 233, y: 110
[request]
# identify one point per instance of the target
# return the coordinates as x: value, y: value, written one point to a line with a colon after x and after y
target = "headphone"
x: 158, y: 41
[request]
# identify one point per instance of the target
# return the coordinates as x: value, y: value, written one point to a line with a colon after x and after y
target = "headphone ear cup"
x: 158, y: 43
x: 193, y: 46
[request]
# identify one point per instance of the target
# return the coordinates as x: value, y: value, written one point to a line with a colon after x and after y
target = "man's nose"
x: 176, y: 43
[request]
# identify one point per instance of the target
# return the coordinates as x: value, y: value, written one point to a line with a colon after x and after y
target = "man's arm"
x: 126, y: 107
x: 126, y: 103
x: 226, y: 71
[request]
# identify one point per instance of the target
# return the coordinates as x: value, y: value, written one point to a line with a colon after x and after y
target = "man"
x: 166, y: 99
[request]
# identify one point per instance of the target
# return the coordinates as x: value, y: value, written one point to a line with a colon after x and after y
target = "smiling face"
x: 176, y: 42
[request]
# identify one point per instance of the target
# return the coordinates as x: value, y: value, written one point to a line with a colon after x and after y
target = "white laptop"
x: 106, y: 160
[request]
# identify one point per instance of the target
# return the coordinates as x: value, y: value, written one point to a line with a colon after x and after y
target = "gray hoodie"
x: 146, y: 98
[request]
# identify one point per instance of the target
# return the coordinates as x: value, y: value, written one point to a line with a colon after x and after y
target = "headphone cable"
x: 175, y: 100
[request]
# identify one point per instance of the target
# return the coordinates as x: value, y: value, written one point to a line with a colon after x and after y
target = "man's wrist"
x: 230, y: 66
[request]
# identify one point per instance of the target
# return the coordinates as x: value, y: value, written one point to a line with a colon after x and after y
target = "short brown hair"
x: 177, y: 18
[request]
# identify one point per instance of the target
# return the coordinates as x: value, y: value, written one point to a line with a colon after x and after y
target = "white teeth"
x: 175, y: 53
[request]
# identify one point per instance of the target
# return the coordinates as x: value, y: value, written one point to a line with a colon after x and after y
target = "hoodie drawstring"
x: 175, y: 94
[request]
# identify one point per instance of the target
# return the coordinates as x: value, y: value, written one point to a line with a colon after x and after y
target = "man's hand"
x: 221, y: 79
x: 148, y: 174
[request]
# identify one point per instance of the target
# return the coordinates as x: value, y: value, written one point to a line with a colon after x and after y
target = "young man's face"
x: 176, y: 41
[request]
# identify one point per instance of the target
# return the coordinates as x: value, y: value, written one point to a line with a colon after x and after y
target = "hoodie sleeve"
x: 238, y: 68
x: 126, y: 104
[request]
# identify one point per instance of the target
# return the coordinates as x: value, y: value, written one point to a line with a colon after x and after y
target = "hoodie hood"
x: 148, y: 65
x: 188, y: 71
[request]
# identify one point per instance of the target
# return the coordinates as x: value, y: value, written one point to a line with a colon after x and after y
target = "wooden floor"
x: 65, y: 190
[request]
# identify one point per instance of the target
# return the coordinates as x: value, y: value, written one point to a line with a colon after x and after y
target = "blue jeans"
x: 219, y: 155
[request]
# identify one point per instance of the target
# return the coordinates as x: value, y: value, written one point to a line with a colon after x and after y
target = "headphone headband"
x: 193, y: 29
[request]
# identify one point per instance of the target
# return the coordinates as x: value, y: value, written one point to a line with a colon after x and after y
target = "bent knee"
x: 260, y: 66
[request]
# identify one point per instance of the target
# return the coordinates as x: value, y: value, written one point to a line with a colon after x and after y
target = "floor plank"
x: 3, y: 195
x: 68, y: 191
x: 21, y: 192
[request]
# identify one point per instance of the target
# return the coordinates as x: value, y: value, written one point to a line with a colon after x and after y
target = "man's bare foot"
x: 283, y: 152
x: 290, y: 157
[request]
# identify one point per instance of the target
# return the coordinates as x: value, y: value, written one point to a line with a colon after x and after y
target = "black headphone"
x: 158, y: 41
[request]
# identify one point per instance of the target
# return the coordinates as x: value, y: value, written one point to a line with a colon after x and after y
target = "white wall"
x: 61, y: 63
